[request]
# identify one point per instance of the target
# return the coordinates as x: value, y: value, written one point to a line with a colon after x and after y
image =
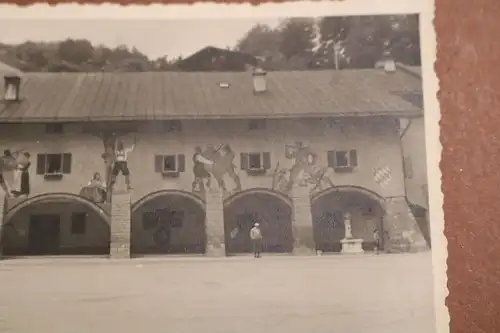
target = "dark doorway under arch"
x: 56, y: 224
x: 168, y: 223
x: 272, y: 212
x: 328, y: 209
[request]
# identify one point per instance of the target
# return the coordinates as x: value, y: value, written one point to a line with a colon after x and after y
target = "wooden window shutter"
x: 181, y: 163
x: 41, y: 161
x: 266, y: 160
x: 158, y: 163
x: 331, y: 159
x: 244, y: 161
x: 353, y: 158
x: 66, y: 163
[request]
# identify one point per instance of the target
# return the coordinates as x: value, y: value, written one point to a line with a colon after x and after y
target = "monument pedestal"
x: 352, y: 245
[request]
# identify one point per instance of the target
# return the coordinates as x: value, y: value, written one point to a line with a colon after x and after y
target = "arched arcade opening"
x: 272, y: 210
x: 55, y: 224
x: 168, y: 222
x: 328, y: 210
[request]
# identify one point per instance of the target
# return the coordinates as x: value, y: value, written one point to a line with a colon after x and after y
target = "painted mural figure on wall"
x: 22, y: 176
x: 222, y: 159
x: 109, y: 158
x: 9, y: 163
x: 95, y: 189
x: 202, y: 178
x: 120, y: 164
x: 304, y: 171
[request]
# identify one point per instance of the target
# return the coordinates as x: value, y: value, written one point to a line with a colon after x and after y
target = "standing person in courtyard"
x: 121, y: 162
x: 376, y: 239
x: 256, y: 237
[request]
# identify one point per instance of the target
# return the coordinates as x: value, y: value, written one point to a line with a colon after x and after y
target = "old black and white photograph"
x: 262, y: 173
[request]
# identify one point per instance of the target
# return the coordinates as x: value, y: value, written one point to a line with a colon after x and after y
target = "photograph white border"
x: 208, y: 11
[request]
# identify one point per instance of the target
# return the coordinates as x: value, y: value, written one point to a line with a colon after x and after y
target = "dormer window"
x: 54, y: 128
x: 259, y: 81
x: 172, y: 126
x: 12, y: 87
x: 257, y: 124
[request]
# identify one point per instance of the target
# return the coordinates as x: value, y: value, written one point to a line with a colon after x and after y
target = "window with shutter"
x: 331, y: 158
x: 181, y: 163
x: 41, y: 164
x: 169, y: 163
x: 254, y: 161
x: 54, y: 164
x: 244, y: 161
x: 353, y: 158
x: 343, y: 160
x: 266, y: 161
x: 158, y: 163
x: 66, y: 163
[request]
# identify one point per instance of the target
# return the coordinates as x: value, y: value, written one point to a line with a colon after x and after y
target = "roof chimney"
x: 259, y: 80
x: 12, y: 85
x: 389, y: 66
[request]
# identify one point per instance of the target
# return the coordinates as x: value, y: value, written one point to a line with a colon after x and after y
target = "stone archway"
x: 273, y: 210
x: 328, y: 208
x: 168, y: 222
x: 56, y: 224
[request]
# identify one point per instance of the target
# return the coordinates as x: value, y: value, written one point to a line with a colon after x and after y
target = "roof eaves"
x: 399, y: 113
x: 409, y: 70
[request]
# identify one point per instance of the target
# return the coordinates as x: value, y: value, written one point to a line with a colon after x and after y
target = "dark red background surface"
x: 468, y: 68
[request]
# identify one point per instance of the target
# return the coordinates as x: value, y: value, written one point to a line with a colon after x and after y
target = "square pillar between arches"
x: 302, y: 223
x: 120, y: 225
x: 214, y: 224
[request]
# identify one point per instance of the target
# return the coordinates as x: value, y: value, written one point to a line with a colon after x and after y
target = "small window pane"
x: 54, y: 163
x: 257, y: 124
x: 169, y: 163
x: 341, y: 159
x: 54, y: 128
x: 172, y: 126
x: 255, y: 161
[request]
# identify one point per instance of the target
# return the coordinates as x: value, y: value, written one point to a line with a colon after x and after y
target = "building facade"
x: 294, y: 151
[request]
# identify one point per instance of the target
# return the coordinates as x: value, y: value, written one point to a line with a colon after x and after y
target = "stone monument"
x: 349, y: 243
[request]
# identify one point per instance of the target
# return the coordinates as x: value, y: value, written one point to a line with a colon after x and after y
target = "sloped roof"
x: 8, y: 70
x: 68, y: 97
x: 412, y: 70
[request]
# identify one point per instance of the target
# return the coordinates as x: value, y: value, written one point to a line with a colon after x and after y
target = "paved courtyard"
x: 329, y: 294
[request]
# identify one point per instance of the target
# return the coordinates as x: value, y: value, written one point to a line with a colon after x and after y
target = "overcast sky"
x: 154, y: 38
